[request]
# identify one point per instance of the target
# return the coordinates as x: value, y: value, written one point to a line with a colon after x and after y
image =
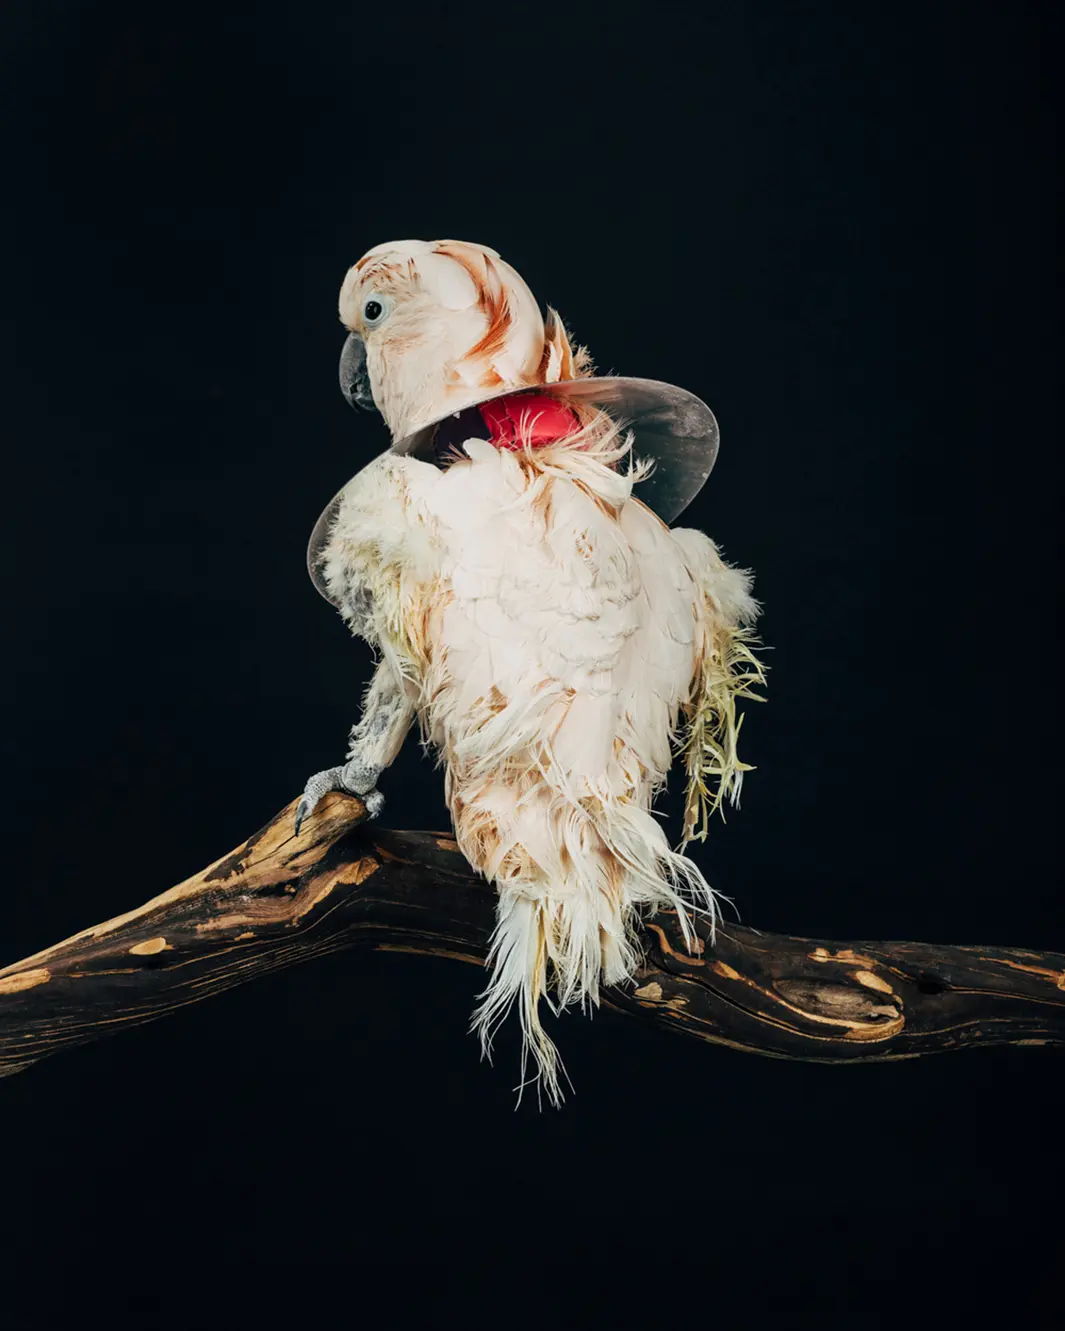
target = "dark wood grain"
x: 281, y: 899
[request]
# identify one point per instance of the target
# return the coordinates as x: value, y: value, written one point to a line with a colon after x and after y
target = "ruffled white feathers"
x: 557, y: 638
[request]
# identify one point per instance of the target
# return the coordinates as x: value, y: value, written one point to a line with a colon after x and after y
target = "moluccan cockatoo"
x: 554, y: 637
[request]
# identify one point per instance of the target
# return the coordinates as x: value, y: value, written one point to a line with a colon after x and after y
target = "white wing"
x: 381, y: 560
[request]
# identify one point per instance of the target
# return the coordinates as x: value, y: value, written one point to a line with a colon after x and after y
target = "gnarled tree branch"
x: 280, y: 899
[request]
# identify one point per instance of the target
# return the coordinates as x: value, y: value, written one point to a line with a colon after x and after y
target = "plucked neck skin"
x: 459, y: 326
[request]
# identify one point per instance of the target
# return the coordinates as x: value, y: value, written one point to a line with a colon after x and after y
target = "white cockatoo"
x: 556, y: 640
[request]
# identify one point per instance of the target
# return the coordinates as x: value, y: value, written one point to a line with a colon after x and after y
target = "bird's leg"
x: 387, y: 713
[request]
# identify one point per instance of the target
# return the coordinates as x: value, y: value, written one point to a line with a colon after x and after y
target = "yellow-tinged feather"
x: 727, y: 670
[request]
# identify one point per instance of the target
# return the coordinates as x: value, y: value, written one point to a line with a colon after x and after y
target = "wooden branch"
x: 280, y: 899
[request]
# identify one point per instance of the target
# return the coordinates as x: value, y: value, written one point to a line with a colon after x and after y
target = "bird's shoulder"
x: 382, y: 541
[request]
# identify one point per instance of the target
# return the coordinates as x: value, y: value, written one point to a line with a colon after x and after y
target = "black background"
x: 834, y: 222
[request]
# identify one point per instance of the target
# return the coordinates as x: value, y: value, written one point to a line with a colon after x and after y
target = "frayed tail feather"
x: 574, y: 940
x: 517, y: 959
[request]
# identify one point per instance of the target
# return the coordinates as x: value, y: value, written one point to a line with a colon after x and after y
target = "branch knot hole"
x: 827, y: 1001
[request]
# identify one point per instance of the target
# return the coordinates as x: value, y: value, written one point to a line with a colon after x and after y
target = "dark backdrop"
x: 834, y: 223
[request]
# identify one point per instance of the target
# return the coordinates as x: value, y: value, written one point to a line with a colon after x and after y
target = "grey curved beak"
x: 354, y: 380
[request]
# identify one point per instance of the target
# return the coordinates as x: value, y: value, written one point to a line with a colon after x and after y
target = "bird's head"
x: 436, y: 326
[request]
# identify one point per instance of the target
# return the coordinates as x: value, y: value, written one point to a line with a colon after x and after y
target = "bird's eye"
x: 374, y: 310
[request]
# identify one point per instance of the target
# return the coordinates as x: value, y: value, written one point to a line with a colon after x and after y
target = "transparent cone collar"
x: 670, y: 426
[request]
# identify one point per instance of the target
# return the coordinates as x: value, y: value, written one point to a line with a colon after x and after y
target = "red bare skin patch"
x: 541, y: 419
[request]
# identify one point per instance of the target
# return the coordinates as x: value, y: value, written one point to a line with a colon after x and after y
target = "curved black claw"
x: 302, y: 810
x: 318, y: 785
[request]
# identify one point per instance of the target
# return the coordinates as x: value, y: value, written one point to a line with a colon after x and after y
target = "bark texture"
x: 280, y: 899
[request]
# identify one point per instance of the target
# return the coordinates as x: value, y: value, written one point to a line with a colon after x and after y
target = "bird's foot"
x: 354, y: 777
